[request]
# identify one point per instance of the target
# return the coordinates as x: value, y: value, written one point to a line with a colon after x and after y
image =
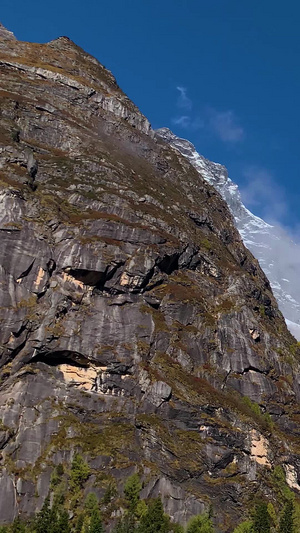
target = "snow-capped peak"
x: 279, y: 257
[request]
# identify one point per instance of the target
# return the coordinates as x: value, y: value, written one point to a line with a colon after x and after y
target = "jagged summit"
x: 63, y: 41
x: 64, y: 38
x: 62, y: 61
x: 278, y: 256
x: 6, y: 34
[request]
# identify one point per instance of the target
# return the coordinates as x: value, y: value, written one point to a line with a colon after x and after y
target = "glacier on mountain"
x: 277, y: 254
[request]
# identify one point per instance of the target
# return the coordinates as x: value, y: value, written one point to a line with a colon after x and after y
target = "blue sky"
x: 222, y: 73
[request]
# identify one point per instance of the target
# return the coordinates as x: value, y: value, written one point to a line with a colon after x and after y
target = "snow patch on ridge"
x: 294, y: 328
x: 278, y: 256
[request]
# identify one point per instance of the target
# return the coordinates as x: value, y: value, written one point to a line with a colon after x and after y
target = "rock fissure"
x: 60, y: 357
x: 169, y: 263
x: 251, y: 368
x: 92, y: 278
x: 19, y: 332
x: 13, y: 353
x: 26, y: 272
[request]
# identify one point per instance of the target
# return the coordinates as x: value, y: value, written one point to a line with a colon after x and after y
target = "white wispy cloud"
x: 184, y: 121
x: 222, y: 124
x: 264, y: 192
x: 188, y: 123
x: 183, y: 102
x: 225, y: 125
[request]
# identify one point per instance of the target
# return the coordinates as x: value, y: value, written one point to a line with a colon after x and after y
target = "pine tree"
x: 63, y: 522
x: 92, y: 516
x: 287, y: 518
x: 80, y: 471
x: 44, y: 519
x: 261, y: 519
x: 125, y: 525
x: 79, y: 523
x: 91, y: 502
x: 96, y: 522
x: 132, y: 491
x: 154, y: 520
x: 110, y: 493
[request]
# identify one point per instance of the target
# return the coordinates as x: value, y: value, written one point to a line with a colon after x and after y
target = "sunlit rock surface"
x: 133, y: 319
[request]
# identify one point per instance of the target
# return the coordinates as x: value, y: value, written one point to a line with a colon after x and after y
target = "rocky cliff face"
x: 278, y: 256
x: 133, y: 319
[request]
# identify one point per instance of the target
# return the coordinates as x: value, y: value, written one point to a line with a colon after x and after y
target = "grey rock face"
x: 133, y: 319
x: 6, y: 34
x: 278, y: 256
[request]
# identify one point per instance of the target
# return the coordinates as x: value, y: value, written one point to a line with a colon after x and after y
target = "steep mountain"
x: 136, y: 328
x: 278, y: 256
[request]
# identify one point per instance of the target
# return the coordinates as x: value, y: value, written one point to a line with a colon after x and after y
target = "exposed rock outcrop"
x: 6, y: 34
x: 133, y: 319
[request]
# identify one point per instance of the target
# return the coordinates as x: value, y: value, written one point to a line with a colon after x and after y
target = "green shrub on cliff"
x: 200, y: 524
x: 244, y: 527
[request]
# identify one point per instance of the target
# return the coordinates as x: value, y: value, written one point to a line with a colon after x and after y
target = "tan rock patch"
x: 129, y: 281
x: 39, y: 278
x: 11, y: 339
x: 83, y: 377
x: 291, y: 477
x: 259, y: 448
x: 68, y: 278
